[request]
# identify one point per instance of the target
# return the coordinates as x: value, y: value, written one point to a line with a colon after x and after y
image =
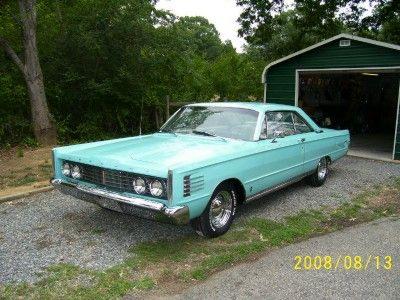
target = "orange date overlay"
x: 343, y: 262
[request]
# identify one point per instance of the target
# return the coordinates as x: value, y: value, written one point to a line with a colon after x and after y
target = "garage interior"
x: 364, y: 101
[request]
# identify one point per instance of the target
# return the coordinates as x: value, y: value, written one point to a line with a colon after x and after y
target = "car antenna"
x: 141, y: 117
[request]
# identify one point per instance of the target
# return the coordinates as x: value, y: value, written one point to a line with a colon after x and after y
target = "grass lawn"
x: 167, y: 267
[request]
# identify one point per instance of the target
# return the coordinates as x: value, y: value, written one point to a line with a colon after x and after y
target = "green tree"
x: 107, y: 63
x: 385, y: 21
x: 256, y: 18
x: 281, y: 30
x: 29, y: 66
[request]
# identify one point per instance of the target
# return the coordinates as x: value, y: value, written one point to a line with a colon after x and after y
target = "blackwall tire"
x: 320, y: 175
x: 219, y: 213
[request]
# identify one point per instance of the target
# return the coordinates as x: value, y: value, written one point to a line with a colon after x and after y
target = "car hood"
x: 157, y: 150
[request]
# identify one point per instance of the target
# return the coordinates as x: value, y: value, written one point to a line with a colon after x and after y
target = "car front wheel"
x: 219, y: 213
x: 318, y: 178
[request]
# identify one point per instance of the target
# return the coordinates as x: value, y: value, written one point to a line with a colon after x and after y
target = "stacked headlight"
x: 139, y: 185
x: 70, y: 170
x: 156, y: 188
x: 66, y: 169
x: 76, y: 172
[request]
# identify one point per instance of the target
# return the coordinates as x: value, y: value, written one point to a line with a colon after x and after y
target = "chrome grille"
x: 192, y: 184
x: 117, y: 180
x: 110, y: 178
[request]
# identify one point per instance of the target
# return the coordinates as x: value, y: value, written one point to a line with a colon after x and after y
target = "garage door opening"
x: 365, y: 102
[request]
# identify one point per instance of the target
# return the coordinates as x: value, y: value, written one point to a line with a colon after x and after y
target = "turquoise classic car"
x: 206, y: 160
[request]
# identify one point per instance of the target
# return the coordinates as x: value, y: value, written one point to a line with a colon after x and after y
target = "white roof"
x: 336, y: 37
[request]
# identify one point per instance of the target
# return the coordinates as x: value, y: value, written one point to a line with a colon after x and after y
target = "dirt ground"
x: 24, y: 169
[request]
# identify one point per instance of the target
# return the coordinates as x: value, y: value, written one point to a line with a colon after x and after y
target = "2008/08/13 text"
x: 343, y: 262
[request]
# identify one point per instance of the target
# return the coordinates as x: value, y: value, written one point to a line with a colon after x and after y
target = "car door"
x: 281, y: 151
x: 311, y: 143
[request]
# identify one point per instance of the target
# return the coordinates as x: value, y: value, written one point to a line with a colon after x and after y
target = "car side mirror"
x: 279, y: 134
x: 319, y: 131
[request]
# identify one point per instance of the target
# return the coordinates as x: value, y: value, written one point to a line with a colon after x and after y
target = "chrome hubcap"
x: 221, y: 209
x: 322, y: 169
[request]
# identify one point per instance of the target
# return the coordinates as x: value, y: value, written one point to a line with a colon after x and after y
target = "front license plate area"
x: 137, y: 211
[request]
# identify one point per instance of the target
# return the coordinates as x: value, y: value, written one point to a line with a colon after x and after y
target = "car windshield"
x: 226, y: 122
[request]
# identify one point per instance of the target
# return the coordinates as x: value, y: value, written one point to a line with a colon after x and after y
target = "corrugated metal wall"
x: 281, y: 78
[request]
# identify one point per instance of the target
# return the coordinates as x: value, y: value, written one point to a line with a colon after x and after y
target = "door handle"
x: 302, y: 140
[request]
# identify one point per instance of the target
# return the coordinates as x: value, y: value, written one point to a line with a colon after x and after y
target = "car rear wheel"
x: 318, y: 178
x: 219, y: 213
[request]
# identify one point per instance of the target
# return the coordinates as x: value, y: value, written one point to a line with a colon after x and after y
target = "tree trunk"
x: 43, y: 125
x: 157, y: 119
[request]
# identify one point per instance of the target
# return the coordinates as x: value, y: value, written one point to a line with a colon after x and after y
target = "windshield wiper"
x: 200, y: 132
x: 205, y: 133
x: 167, y: 131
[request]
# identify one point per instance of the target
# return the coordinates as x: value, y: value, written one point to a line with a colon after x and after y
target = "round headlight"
x: 66, y: 169
x: 139, y: 185
x: 76, y: 172
x: 156, y: 188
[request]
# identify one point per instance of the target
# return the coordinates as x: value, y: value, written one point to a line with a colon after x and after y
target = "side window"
x: 300, y: 126
x: 277, y: 124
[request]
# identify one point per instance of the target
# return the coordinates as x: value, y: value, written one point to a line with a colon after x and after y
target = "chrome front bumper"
x: 131, y: 205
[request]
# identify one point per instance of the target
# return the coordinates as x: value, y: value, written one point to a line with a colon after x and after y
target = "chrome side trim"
x: 277, y: 187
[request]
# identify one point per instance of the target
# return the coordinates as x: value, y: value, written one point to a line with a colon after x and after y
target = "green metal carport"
x: 342, y: 59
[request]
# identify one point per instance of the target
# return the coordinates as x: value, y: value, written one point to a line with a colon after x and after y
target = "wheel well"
x: 329, y: 160
x: 239, y: 188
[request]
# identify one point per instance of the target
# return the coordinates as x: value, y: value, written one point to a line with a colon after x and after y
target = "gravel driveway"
x: 51, y: 228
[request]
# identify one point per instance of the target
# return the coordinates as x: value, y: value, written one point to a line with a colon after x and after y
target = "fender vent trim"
x: 192, y: 184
